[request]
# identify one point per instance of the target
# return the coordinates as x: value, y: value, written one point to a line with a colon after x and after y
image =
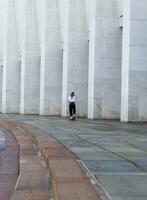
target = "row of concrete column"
x: 49, y: 48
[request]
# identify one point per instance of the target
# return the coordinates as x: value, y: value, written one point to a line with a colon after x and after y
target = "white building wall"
x: 51, y: 61
x: 87, y: 6
x: 134, y: 74
x: 75, y: 56
x: 112, y: 61
x: 1, y: 48
x: 11, y: 64
x: 30, y: 60
x: 104, y: 60
x: 49, y: 48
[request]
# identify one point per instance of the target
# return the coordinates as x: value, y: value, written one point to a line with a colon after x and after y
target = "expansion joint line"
x: 54, y: 188
x: 124, y: 158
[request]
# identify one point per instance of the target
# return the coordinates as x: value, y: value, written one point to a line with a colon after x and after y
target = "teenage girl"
x: 72, y: 105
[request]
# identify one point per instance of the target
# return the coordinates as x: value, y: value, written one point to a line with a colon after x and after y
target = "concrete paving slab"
x: 125, y: 185
x: 129, y: 198
x: 76, y: 143
x: 82, y: 149
x: 110, y: 166
x: 141, y: 146
x: 97, y: 156
x: 141, y: 162
x: 121, y: 149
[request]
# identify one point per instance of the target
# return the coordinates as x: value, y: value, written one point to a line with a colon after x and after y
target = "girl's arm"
x: 68, y: 99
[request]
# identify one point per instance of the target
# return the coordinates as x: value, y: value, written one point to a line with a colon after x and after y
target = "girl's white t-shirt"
x: 71, y: 99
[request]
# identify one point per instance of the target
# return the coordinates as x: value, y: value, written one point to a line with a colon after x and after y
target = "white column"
x: 134, y: 69
x: 51, y: 60
x: 91, y: 80
x: 30, y: 60
x: 11, y: 63
x: 125, y: 61
x: 64, y: 24
x: 1, y: 48
x: 75, y: 56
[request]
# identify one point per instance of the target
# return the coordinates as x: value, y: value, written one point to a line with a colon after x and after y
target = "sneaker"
x: 71, y: 117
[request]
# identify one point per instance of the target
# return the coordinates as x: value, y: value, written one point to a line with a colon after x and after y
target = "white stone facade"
x: 134, y: 61
x: 96, y: 48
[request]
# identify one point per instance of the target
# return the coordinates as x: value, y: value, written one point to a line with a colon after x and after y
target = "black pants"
x: 72, y: 108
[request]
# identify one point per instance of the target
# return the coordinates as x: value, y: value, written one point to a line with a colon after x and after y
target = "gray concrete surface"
x: 116, y: 153
x: 2, y: 141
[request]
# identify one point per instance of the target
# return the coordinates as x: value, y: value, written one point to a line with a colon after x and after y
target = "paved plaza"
x: 114, y: 152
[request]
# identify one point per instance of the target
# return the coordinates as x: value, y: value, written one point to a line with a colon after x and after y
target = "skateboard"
x: 73, y: 118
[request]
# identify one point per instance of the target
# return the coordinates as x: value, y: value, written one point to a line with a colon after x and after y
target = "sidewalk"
x: 115, y: 153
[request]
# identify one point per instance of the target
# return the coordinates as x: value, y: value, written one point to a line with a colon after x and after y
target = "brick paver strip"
x: 30, y: 163
x: 74, y: 190
x: 28, y: 151
x: 8, y: 167
x: 58, y: 152
x: 44, y: 144
x: 66, y: 171
x: 7, y: 184
x: 69, y: 181
x: 33, y: 180
x: 34, y: 177
x: 30, y: 195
